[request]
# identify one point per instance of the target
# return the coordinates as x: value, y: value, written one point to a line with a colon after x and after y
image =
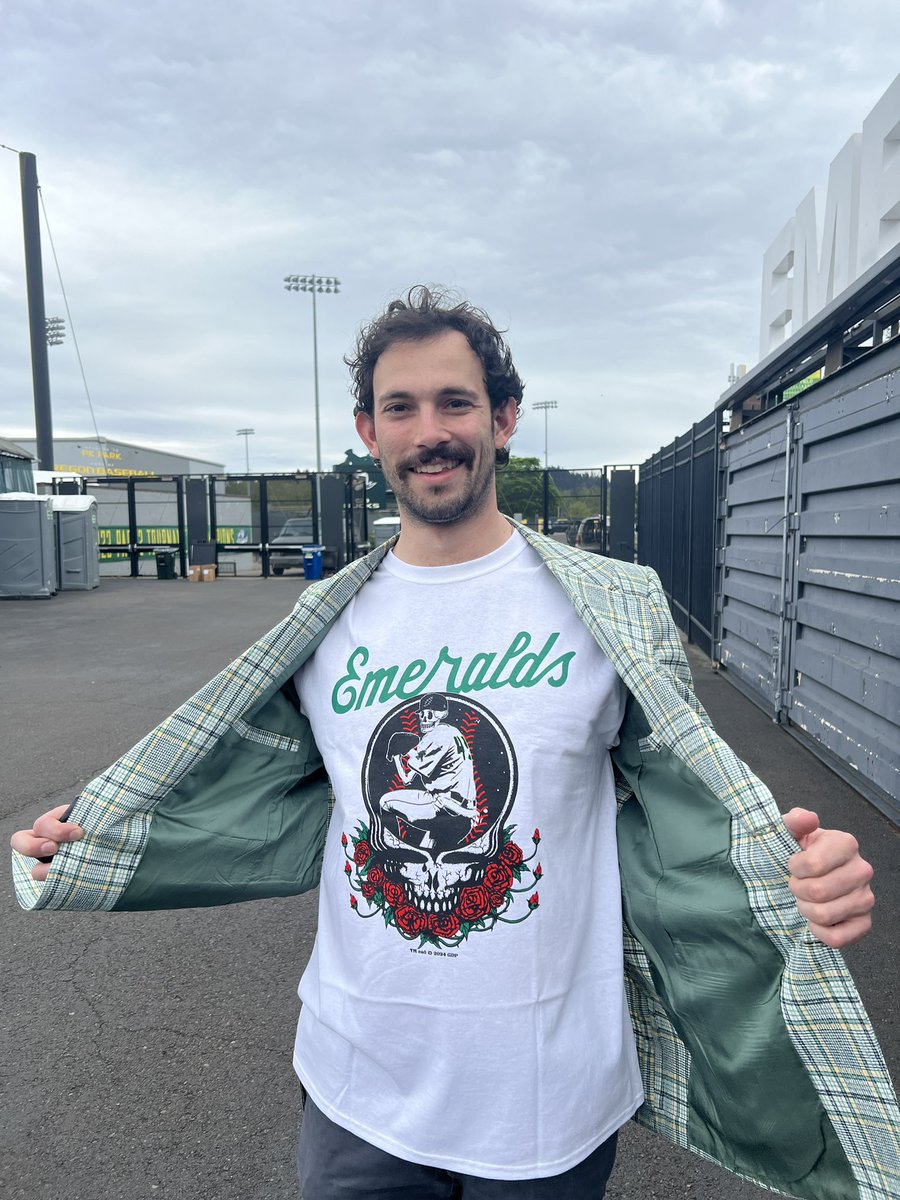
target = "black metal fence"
x: 557, y: 501
x: 246, y: 525
x: 677, y: 506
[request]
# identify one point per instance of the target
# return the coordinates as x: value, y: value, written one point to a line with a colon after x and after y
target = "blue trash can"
x: 312, y: 562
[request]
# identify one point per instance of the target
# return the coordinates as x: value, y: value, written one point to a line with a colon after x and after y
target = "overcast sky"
x: 602, y: 176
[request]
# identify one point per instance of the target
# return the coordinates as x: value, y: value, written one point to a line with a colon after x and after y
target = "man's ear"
x: 504, y: 422
x: 365, y: 427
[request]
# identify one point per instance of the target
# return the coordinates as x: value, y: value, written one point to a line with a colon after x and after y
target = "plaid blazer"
x: 755, y: 1049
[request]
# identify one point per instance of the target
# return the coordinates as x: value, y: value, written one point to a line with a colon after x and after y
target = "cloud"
x: 602, y: 177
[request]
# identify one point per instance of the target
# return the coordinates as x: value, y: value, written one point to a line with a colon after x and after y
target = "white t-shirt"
x: 464, y: 1003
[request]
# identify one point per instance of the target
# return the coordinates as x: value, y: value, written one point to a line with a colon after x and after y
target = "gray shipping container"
x: 77, y: 541
x: 27, y: 546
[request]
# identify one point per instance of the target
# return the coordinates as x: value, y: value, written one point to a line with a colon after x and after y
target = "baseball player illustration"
x: 444, y: 802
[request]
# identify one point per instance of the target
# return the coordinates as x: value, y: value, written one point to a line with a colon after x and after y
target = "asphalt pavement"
x: 149, y: 1054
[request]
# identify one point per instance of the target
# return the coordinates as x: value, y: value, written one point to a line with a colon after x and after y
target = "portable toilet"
x: 77, y: 541
x: 27, y: 546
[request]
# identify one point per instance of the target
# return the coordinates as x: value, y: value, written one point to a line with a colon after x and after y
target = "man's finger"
x: 822, y: 889
x: 800, y: 823
x: 45, y: 836
x: 50, y: 825
x: 824, y: 850
x: 845, y: 934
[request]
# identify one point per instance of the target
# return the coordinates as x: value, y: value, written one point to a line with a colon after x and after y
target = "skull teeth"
x: 431, y: 904
x: 430, y: 886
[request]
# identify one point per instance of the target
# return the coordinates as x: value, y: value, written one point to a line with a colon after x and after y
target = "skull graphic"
x: 439, y: 780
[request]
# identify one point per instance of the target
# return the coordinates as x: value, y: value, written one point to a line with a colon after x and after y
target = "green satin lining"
x: 752, y: 1104
x: 249, y: 821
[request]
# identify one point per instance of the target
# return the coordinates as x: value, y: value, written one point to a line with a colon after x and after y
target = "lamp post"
x: 313, y: 284
x: 245, y: 434
x: 544, y: 406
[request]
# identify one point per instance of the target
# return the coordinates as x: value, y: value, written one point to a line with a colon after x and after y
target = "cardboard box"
x: 207, y: 574
x: 194, y: 574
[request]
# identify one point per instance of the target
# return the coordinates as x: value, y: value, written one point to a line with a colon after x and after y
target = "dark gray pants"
x: 334, y: 1164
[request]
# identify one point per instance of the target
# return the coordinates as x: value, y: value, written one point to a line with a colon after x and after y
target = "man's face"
x: 433, y: 429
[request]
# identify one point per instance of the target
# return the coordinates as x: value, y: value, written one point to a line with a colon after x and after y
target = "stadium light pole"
x: 245, y: 434
x: 314, y: 284
x: 544, y: 406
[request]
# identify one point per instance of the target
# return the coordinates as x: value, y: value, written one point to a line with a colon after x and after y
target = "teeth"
x: 435, y: 468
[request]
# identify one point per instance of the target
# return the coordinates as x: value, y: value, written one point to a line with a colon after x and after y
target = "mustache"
x: 462, y: 453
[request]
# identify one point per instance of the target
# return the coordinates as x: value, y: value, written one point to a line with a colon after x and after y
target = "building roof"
x: 14, y: 450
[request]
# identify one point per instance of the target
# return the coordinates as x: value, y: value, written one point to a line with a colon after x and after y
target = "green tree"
x: 520, y: 489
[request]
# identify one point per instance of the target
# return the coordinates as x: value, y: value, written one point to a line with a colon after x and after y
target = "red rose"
x: 347, y: 868
x: 353, y: 902
x: 534, y: 901
x: 536, y: 836
x: 511, y: 854
x: 362, y: 852
x: 474, y: 902
x: 410, y: 921
x: 538, y: 871
x: 343, y: 839
x: 393, y: 895
x: 375, y: 876
x: 498, y: 877
x: 368, y: 890
x: 443, y: 925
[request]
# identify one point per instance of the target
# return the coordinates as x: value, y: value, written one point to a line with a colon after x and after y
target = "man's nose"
x: 431, y: 429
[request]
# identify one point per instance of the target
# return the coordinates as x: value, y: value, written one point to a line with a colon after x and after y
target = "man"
x: 479, y: 1039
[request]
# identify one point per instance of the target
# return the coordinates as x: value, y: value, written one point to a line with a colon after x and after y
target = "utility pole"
x: 34, y: 281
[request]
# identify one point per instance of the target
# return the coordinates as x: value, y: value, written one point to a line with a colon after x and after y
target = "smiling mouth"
x: 437, y: 467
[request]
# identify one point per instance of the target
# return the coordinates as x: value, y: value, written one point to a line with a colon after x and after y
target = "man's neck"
x: 423, y: 544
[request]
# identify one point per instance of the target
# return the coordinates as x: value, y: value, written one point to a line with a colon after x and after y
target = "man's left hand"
x: 829, y: 880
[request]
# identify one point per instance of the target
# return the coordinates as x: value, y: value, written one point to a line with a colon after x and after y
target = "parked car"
x: 383, y: 528
x: 591, y: 535
x: 294, y: 534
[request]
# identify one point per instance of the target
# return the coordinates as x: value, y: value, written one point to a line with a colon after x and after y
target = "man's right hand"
x: 43, y: 839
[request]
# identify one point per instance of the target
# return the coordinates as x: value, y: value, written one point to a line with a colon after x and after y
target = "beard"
x: 447, y: 503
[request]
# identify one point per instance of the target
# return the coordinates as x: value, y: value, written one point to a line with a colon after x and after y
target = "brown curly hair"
x: 426, y: 313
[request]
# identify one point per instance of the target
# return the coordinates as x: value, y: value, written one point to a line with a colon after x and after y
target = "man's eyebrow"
x: 452, y: 390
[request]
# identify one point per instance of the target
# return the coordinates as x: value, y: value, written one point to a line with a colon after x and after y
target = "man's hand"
x: 829, y: 880
x: 43, y: 839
